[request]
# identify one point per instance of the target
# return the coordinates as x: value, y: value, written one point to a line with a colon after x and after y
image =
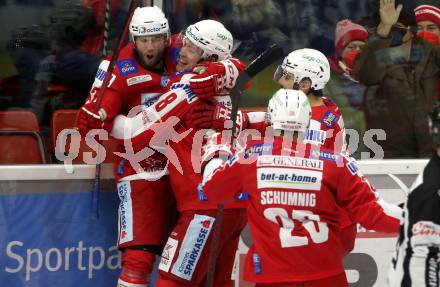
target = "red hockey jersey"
x: 131, y: 85
x: 326, y: 126
x: 166, y: 126
x: 292, y: 207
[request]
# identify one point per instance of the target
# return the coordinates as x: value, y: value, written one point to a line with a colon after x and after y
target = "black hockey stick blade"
x: 272, y: 54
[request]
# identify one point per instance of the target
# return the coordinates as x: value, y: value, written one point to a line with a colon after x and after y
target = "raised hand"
x: 389, y: 15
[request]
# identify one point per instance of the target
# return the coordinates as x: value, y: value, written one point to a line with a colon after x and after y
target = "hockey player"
x: 146, y: 207
x: 292, y: 200
x: 416, y: 261
x: 185, y: 257
x: 308, y: 70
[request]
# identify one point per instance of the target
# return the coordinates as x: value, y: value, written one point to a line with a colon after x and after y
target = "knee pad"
x: 137, y: 266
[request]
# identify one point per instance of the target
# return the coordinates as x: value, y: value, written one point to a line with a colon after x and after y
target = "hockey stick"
x: 106, y: 80
x: 115, y: 55
x: 269, y: 56
x: 106, y: 27
x: 400, y: 183
x: 272, y: 54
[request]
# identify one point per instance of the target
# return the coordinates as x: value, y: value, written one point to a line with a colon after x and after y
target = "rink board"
x: 50, y: 237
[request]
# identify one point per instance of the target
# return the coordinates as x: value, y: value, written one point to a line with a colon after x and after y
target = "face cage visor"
x: 279, y: 72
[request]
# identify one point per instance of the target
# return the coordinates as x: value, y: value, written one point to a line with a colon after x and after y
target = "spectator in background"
x: 76, y: 32
x: 428, y: 24
x: 428, y: 21
x: 255, y: 22
x: 27, y: 47
x: 342, y: 88
x: 400, y: 71
x: 77, y: 27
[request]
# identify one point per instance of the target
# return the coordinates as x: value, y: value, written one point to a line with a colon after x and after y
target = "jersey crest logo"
x: 329, y: 119
x: 164, y: 81
x: 127, y: 67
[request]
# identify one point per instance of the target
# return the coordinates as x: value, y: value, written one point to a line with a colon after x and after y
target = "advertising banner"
x: 48, y: 237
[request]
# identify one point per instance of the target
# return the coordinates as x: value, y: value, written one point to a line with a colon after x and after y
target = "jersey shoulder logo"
x: 127, y: 67
x: 258, y: 149
x: 329, y: 119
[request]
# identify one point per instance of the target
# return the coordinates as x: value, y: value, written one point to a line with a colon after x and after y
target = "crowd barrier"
x: 49, y: 236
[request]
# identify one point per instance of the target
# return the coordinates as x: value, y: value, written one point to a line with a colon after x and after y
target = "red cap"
x: 428, y: 13
x: 346, y: 32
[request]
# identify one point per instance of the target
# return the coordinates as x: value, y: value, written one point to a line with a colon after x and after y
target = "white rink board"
x: 376, y: 251
x: 382, y: 250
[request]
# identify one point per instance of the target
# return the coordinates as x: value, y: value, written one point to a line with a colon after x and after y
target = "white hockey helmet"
x: 306, y: 63
x: 212, y: 37
x: 147, y: 21
x: 289, y: 110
